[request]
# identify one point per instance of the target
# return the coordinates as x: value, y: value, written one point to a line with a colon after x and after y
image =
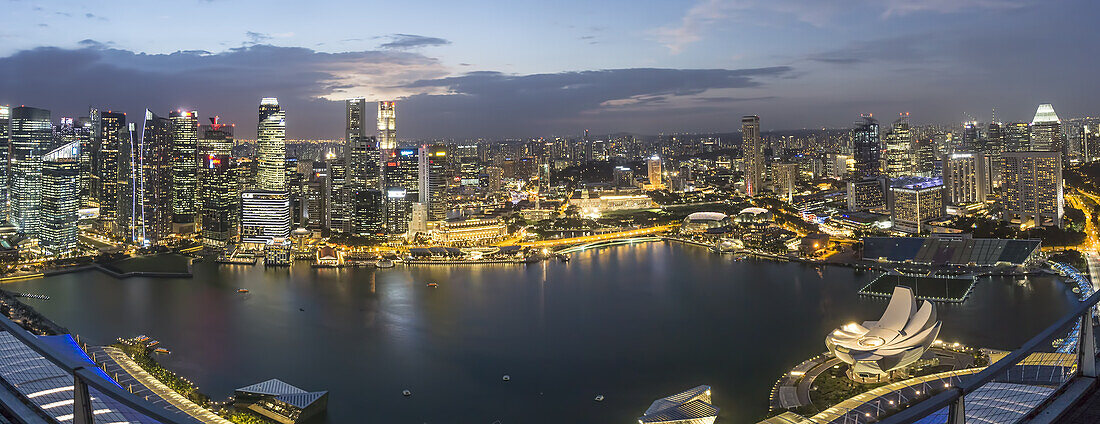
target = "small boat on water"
x: 433, y: 285
x: 242, y: 290
x: 507, y: 377
x: 384, y: 263
x: 599, y: 398
x: 406, y: 392
x: 162, y: 350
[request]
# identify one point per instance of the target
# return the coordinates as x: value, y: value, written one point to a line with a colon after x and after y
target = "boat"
x: 433, y: 285
x: 385, y: 263
x: 507, y: 377
x: 599, y: 398
x: 242, y: 290
x: 406, y: 392
x: 162, y: 350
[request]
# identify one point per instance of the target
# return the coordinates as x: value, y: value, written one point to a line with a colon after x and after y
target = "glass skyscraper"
x: 113, y: 140
x: 153, y: 181
x: 5, y: 164
x: 60, y: 200
x: 184, y: 130
x: 752, y: 151
x: 31, y: 133
x: 271, y: 146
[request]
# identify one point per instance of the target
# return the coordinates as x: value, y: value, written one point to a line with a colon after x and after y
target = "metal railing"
x: 85, y: 378
x: 1015, y: 386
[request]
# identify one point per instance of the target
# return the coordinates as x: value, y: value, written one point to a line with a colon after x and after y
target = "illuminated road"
x: 1091, y: 244
x: 600, y: 237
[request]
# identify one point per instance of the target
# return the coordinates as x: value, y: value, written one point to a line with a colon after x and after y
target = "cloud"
x: 256, y: 37
x: 411, y: 41
x: 904, y: 7
x: 613, y: 99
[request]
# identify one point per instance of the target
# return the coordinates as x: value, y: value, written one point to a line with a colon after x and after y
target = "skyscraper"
x: 653, y: 173
x: 265, y: 216
x: 218, y: 195
x: 898, y: 159
x: 60, y: 200
x: 866, y: 149
x: 402, y: 188
x: 5, y: 162
x: 30, y: 135
x: 966, y: 178
x: 153, y: 181
x: 1017, y: 137
x: 1046, y: 130
x: 387, y: 126
x: 433, y: 180
x: 362, y: 146
x: 752, y: 150
x: 184, y: 130
x: 271, y: 146
x: 914, y: 201
x: 785, y: 180
x: 113, y: 141
x: 1032, y: 188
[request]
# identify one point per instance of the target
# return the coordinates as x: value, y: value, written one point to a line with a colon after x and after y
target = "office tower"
x: 95, y: 186
x: 914, y: 202
x: 31, y: 133
x: 368, y: 216
x: 623, y: 176
x: 340, y: 206
x: 653, y: 173
x: 87, y: 136
x: 127, y: 172
x: 867, y: 194
x: 433, y: 180
x: 418, y: 219
x: 752, y: 150
x: 1017, y: 137
x: 387, y: 126
x: 294, y: 182
x: 924, y: 157
x: 265, y: 216
x: 402, y: 182
x: 898, y: 140
x: 1046, y: 130
x: 5, y: 162
x: 495, y: 177
x: 112, y: 138
x: 60, y: 200
x: 971, y: 135
x: 785, y: 180
x: 866, y: 149
x: 271, y: 146
x: 362, y: 146
x: 966, y: 178
x: 184, y: 134
x: 153, y: 181
x: 316, y: 197
x: 218, y: 195
x: 1032, y: 188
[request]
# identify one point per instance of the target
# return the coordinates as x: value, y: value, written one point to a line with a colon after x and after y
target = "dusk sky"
x: 476, y: 68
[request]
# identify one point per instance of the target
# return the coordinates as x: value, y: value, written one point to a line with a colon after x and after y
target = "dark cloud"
x: 411, y: 41
x: 256, y: 37
x: 524, y: 105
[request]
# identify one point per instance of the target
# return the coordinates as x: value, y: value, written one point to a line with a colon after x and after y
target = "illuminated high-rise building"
x: 60, y: 200
x: 31, y: 133
x: 184, y: 133
x: 914, y: 201
x: 402, y: 188
x: 5, y: 164
x: 339, y: 205
x: 897, y: 160
x: 866, y: 149
x: 653, y: 173
x: 433, y: 180
x: 1046, y: 130
x: 752, y: 150
x: 1032, y: 188
x: 271, y: 146
x: 362, y: 146
x: 966, y: 178
x: 387, y: 126
x: 113, y: 142
x: 218, y: 195
x: 1017, y: 137
x: 153, y: 181
x: 368, y: 213
x: 785, y: 180
x: 265, y: 216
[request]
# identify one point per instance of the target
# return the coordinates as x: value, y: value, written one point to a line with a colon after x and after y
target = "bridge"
x: 605, y: 243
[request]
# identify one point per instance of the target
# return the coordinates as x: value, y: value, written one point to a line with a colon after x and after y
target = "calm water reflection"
x: 632, y: 323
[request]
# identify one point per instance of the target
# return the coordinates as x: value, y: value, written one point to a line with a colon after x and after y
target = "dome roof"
x: 706, y: 216
x: 754, y: 210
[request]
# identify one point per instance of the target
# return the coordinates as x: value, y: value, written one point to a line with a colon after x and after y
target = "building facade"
x: 271, y: 146
x: 265, y: 216
x: 30, y: 135
x: 60, y: 200
x: 752, y: 150
x: 1032, y: 188
x: 185, y: 138
x: 966, y: 178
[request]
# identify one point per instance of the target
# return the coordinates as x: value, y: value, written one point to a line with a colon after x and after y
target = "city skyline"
x: 666, y: 68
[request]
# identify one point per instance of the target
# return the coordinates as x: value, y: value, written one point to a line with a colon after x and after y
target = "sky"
x: 530, y: 68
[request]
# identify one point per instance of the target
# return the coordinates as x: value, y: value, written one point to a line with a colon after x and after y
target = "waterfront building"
x: 295, y: 180
x: 30, y: 135
x: 5, y: 162
x: 752, y: 151
x: 705, y: 223
x: 184, y: 128
x: 432, y: 170
x: 113, y: 142
x: 785, y: 180
x: 271, y: 146
x: 471, y: 231
x: 895, y: 341
x: 914, y: 201
x: 280, y: 401
x: 897, y: 160
x: 219, y: 200
x: 689, y: 407
x: 966, y: 178
x: 153, y: 181
x: 60, y: 200
x: 1032, y: 188
x: 402, y: 188
x: 368, y: 217
x: 265, y: 216
x: 1046, y: 130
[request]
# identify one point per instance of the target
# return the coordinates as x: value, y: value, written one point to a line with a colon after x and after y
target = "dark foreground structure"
x: 280, y: 401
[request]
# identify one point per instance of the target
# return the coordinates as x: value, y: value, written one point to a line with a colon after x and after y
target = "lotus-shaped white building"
x: 898, y: 339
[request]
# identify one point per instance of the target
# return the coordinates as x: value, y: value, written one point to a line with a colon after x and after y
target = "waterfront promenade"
x: 164, y: 392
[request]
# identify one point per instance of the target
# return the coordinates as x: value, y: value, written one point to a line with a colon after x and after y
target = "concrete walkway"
x: 166, y: 393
